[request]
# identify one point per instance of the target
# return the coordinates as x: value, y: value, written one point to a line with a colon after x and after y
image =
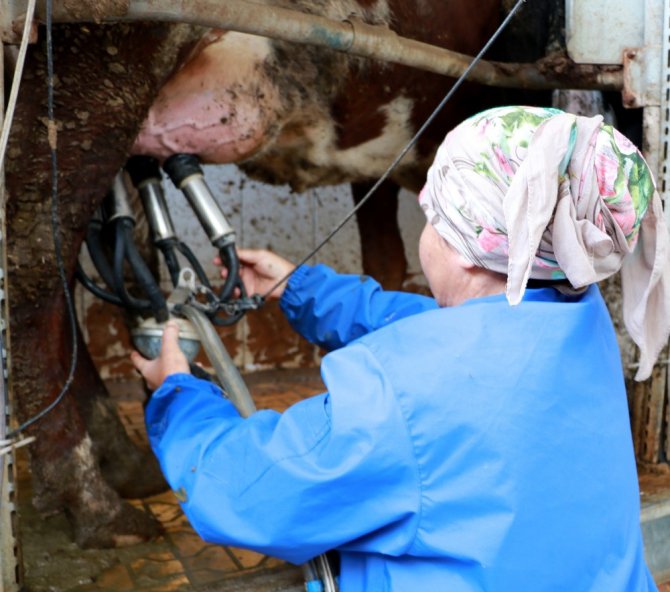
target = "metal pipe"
x: 349, y: 36
x: 207, y: 210
x: 145, y: 174
x: 117, y: 202
x: 188, y: 176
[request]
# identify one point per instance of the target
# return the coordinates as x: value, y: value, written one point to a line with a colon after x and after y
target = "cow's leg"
x: 131, y: 472
x: 63, y: 463
x: 383, y: 252
x: 107, y: 77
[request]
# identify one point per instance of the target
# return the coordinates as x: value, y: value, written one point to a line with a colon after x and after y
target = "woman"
x: 477, y: 440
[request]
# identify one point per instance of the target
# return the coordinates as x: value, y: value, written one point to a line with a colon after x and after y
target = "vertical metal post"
x: 10, y: 562
x: 663, y: 167
x: 650, y: 404
x: 661, y: 123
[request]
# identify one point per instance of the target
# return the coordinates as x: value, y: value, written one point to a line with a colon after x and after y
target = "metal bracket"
x: 185, y: 288
x: 642, y: 77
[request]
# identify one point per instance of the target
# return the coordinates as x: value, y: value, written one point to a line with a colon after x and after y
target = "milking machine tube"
x: 96, y: 290
x: 187, y: 175
x: 116, y: 210
x: 125, y: 249
x: 145, y: 173
x: 226, y: 371
x: 118, y: 213
x: 96, y: 252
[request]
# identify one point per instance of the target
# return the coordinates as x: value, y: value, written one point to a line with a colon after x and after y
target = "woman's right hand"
x: 260, y: 270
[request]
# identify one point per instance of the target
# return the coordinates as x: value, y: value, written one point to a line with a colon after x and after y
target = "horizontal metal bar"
x: 351, y: 36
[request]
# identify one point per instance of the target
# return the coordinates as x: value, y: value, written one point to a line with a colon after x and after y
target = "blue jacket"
x: 478, y: 447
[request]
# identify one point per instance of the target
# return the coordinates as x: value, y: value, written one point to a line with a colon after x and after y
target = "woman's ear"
x: 463, y: 262
x: 458, y: 259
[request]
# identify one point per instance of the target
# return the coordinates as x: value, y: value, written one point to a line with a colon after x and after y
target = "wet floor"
x: 179, y: 560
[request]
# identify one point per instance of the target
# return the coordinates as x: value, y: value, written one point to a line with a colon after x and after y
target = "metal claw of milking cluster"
x: 234, y: 307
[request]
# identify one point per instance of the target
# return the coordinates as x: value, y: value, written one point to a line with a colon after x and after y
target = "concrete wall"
x: 263, y: 216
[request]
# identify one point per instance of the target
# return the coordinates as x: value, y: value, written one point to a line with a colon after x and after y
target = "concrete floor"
x: 179, y: 560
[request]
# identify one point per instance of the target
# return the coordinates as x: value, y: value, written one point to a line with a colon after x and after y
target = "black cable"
x: 229, y: 258
x: 119, y: 259
x: 97, y: 253
x: 55, y: 230
x: 167, y: 247
x: 126, y: 250
x: 186, y: 251
x: 406, y: 149
x: 144, y: 277
x: 96, y: 290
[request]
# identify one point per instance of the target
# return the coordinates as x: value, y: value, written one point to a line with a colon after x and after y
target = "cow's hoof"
x: 136, y: 477
x: 128, y: 526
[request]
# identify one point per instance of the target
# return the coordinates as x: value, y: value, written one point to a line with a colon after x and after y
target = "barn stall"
x: 269, y: 356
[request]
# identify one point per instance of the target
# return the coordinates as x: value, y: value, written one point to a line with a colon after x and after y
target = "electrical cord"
x: 55, y: 228
x: 405, y: 150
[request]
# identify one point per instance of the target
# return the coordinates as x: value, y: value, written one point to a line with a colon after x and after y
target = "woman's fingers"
x: 260, y: 270
x: 138, y: 361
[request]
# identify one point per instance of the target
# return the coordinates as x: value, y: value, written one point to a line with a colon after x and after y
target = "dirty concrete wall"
x: 263, y: 216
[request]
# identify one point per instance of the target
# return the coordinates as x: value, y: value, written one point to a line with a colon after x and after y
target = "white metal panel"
x: 597, y: 31
x: 663, y: 149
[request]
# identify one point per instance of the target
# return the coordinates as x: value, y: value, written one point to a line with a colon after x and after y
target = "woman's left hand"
x: 171, y: 360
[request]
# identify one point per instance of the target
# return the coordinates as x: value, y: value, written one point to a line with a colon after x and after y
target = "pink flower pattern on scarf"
x: 534, y: 192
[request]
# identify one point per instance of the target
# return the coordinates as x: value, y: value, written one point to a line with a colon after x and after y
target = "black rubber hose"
x: 97, y: 253
x: 167, y: 247
x: 119, y: 259
x: 224, y: 322
x: 141, y: 167
x: 144, y: 276
x: 229, y: 258
x: 96, y: 290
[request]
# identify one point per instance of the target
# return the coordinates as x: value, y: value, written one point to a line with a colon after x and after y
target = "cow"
x: 286, y: 117
x: 287, y: 113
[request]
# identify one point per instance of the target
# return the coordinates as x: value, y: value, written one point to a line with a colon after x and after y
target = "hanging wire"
x: 55, y: 228
x: 406, y: 149
x: 4, y: 137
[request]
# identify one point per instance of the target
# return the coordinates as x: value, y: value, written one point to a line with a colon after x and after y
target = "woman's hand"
x: 171, y: 360
x: 260, y: 270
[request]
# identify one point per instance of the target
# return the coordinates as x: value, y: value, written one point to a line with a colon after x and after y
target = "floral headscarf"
x: 538, y: 193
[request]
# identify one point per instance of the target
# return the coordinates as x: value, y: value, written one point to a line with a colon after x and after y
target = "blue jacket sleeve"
x: 327, y: 472
x: 331, y: 309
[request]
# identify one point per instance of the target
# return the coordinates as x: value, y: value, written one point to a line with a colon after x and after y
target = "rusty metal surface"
x: 641, y: 77
x: 647, y: 84
x: 648, y: 415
